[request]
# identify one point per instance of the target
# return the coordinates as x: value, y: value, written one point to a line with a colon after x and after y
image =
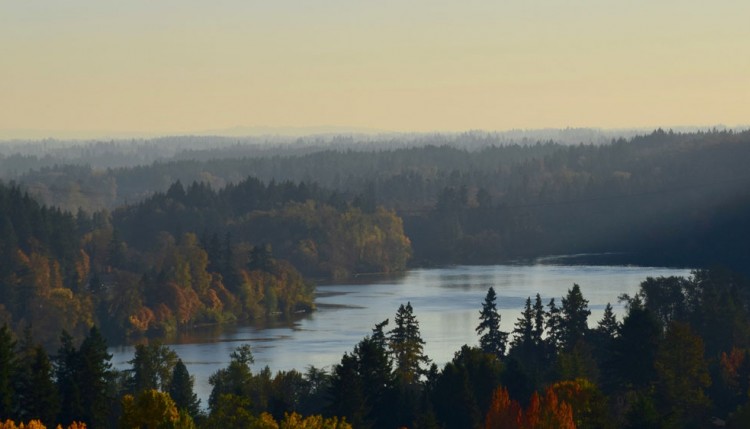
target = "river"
x: 446, y: 302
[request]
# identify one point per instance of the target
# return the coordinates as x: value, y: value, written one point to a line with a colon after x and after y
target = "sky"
x: 77, y: 68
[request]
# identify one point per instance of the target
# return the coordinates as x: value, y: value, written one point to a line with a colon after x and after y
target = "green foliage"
x: 181, y: 390
x: 406, y: 346
x: 152, y: 367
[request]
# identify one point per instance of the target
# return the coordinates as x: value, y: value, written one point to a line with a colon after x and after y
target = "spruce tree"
x: 95, y: 377
x: 407, y: 346
x: 40, y: 398
x: 608, y: 325
x: 181, y: 390
x: 8, y: 367
x: 554, y: 326
x: 539, y: 316
x: 67, y: 367
x: 575, y: 313
x: 492, y: 339
x: 523, y: 339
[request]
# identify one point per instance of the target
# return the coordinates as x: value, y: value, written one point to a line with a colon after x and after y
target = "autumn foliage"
x: 36, y: 424
x: 543, y: 412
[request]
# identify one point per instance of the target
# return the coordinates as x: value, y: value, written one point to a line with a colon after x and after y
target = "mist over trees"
x: 664, y: 198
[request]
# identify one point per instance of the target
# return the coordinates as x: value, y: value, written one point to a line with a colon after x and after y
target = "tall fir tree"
x: 181, y: 390
x: 539, y: 317
x: 67, y: 369
x: 523, y: 331
x: 407, y: 346
x: 608, y: 325
x: 95, y: 377
x: 492, y: 339
x: 38, y: 398
x: 575, y: 313
x: 8, y: 366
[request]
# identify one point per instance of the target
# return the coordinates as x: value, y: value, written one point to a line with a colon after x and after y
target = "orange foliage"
x: 546, y: 412
x: 730, y: 365
x: 140, y: 320
x: 504, y: 413
x: 36, y: 424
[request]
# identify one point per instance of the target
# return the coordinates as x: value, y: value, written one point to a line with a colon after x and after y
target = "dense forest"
x: 664, y: 198
x: 185, y: 257
x: 678, y: 359
x: 199, y: 238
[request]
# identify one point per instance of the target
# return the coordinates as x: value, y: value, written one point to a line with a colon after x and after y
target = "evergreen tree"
x: 539, y: 316
x: 492, y: 339
x: 38, y: 395
x: 181, y: 390
x: 407, y: 345
x: 608, y: 326
x: 67, y: 370
x: 553, y: 325
x: 523, y: 338
x: 347, y: 393
x: 575, y: 313
x: 8, y: 367
x: 95, y: 377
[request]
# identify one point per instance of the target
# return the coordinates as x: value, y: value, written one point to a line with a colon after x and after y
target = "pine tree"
x: 539, y: 316
x: 608, y: 325
x: 67, y: 367
x: 407, y: 345
x: 8, y: 367
x: 523, y: 339
x: 181, y: 390
x: 38, y: 398
x: 492, y: 339
x: 95, y: 377
x: 575, y: 313
x: 554, y: 326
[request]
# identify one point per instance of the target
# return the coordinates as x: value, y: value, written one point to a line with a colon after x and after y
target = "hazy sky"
x: 180, y: 66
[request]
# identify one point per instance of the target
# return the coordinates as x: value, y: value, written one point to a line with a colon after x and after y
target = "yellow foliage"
x: 36, y: 424
x: 150, y: 409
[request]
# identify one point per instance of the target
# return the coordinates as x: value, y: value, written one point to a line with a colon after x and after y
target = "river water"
x: 446, y: 302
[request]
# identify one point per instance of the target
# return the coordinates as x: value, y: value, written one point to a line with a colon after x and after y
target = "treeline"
x: 322, y: 233
x: 679, y: 358
x: 186, y: 257
x: 664, y: 198
x: 78, y: 388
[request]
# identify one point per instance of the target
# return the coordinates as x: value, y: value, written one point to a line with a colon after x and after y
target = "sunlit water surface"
x: 446, y: 302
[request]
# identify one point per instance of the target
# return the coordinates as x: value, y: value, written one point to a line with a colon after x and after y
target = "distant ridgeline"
x: 665, y: 198
x: 185, y: 257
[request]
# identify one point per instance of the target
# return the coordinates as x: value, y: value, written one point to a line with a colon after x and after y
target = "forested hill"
x: 664, y: 198
x: 319, y: 231
x: 185, y: 257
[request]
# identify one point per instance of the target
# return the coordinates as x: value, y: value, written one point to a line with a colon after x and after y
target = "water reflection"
x: 446, y: 302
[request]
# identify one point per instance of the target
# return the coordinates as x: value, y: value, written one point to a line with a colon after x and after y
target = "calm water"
x: 446, y: 302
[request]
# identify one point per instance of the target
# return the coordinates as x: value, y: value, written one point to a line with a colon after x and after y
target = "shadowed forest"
x: 103, y: 248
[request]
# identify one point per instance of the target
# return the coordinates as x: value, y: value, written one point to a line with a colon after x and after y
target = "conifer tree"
x: 553, y: 325
x: 539, y: 316
x: 523, y: 331
x: 407, y: 345
x: 39, y: 398
x: 575, y: 313
x: 608, y: 325
x: 95, y: 377
x: 181, y: 390
x: 492, y: 339
x: 7, y: 372
x: 67, y: 369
